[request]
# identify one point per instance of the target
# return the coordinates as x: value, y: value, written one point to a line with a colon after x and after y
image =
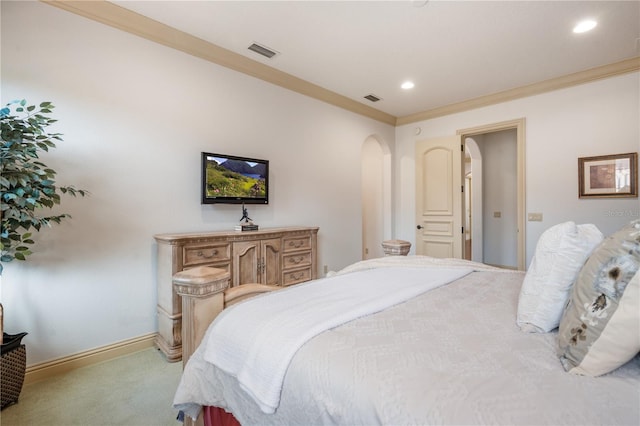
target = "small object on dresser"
x: 246, y: 224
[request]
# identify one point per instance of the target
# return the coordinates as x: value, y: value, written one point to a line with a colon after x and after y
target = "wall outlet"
x: 535, y: 217
x: 497, y: 214
x: 326, y: 269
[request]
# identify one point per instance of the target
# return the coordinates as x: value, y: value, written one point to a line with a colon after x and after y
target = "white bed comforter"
x: 453, y: 355
x: 255, y: 341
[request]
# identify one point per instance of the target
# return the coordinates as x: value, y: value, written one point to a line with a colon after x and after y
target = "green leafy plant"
x: 28, y: 185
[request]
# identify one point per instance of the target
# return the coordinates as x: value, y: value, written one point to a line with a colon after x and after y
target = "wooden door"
x: 440, y: 197
x: 246, y: 255
x: 269, y: 264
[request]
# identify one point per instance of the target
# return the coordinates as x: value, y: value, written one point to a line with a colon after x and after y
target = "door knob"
x: 419, y: 226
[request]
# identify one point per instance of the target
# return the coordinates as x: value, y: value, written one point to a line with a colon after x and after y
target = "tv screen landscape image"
x: 234, y: 180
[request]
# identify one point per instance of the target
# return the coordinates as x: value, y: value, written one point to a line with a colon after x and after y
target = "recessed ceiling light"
x: 407, y: 85
x: 584, y: 26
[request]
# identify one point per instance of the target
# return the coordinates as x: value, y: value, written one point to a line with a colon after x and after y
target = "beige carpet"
x: 133, y: 390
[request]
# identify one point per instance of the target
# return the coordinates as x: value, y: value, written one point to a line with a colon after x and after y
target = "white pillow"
x: 560, y: 253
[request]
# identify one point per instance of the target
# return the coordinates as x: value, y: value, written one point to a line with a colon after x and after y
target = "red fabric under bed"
x: 214, y: 416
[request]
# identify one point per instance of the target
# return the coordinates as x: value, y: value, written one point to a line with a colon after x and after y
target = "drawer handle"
x: 296, y: 260
x: 296, y: 244
x: 201, y: 254
x: 297, y: 276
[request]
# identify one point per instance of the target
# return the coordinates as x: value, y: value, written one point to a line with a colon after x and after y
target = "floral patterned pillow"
x: 600, y: 328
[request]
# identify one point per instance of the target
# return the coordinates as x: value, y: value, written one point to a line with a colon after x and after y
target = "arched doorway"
x: 376, y: 196
x: 474, y: 205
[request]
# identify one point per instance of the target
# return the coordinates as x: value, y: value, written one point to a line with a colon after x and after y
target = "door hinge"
x: 461, y: 148
x: 462, y: 229
x: 462, y: 188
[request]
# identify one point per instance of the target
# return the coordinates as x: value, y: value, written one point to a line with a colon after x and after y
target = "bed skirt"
x: 214, y: 416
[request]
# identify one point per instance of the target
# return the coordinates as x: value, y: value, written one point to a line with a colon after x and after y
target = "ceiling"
x: 453, y: 51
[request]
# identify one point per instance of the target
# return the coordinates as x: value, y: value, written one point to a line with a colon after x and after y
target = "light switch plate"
x: 535, y: 217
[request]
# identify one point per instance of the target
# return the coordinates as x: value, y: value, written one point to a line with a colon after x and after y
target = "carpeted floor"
x: 133, y: 390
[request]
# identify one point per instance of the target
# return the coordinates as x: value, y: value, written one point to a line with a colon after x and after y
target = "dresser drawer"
x: 209, y: 253
x: 296, y: 243
x: 296, y: 276
x: 295, y: 260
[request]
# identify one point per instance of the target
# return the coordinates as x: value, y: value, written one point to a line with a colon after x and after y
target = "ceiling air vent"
x: 264, y: 51
x: 372, y: 98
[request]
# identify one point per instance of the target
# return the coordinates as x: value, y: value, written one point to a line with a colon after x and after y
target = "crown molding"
x: 581, y: 77
x: 142, y: 26
x: 134, y: 23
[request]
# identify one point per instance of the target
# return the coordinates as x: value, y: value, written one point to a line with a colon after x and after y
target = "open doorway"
x: 376, y: 196
x: 496, y: 193
x: 492, y: 198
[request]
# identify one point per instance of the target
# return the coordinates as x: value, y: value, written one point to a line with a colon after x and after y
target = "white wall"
x: 597, y: 118
x: 135, y: 116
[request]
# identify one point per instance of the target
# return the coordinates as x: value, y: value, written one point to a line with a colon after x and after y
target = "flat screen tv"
x: 234, y: 180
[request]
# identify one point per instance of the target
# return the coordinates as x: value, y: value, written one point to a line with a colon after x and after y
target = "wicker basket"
x: 12, y: 369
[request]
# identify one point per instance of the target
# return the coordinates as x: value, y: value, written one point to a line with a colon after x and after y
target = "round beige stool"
x: 396, y: 247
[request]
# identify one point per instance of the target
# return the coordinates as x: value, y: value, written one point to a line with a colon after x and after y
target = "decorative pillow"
x: 600, y: 328
x: 560, y: 253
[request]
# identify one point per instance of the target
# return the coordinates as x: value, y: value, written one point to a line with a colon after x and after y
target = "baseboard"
x: 37, y: 372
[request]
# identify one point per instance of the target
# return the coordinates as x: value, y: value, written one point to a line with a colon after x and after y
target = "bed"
x: 448, y: 350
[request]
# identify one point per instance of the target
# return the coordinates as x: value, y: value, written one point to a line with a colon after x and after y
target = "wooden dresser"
x: 280, y: 256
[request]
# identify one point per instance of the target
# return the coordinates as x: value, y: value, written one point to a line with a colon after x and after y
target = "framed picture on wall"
x: 608, y: 176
